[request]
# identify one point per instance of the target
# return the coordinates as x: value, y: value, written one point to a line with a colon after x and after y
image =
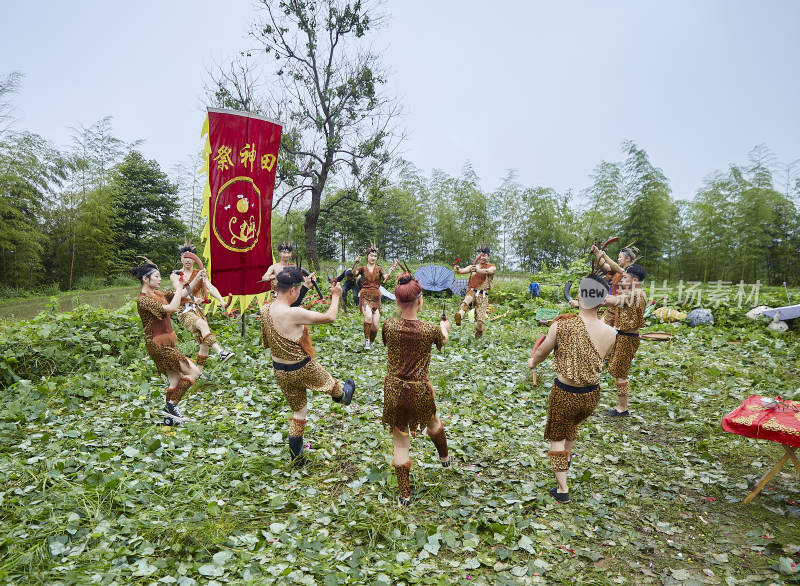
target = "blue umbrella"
x: 459, y: 287
x: 434, y: 277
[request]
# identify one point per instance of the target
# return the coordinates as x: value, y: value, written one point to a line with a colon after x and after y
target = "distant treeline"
x: 90, y: 209
x: 739, y: 225
x: 84, y: 211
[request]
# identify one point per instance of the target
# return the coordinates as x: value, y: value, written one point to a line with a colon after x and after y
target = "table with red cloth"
x: 779, y: 423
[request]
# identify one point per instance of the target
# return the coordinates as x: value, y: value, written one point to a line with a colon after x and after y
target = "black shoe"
x: 348, y: 391
x: 173, y: 414
x: 403, y: 502
x: 447, y: 463
x: 614, y: 413
x: 296, y: 445
x: 562, y: 497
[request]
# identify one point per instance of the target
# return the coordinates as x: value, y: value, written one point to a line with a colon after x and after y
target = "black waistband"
x: 629, y: 334
x: 291, y: 367
x: 577, y: 390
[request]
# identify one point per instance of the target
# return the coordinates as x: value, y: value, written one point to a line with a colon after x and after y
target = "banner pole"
x: 243, y: 324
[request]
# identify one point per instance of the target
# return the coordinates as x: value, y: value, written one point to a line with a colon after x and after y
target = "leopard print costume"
x: 408, y: 397
x: 189, y: 319
x: 293, y: 384
x: 619, y: 363
x: 403, y: 481
x: 312, y: 376
x: 607, y: 313
x: 628, y: 317
x: 159, y: 337
x: 371, y: 280
x: 478, y: 299
x: 566, y: 411
x: 575, y: 359
x: 191, y: 312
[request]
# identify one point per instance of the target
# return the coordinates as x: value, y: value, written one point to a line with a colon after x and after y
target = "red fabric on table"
x: 751, y: 419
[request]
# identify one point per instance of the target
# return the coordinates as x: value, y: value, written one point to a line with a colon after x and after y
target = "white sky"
x: 547, y: 88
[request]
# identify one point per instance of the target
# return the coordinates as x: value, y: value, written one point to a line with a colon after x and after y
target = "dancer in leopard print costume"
x: 284, y: 330
x: 154, y: 308
x: 191, y: 313
x: 369, y: 300
x: 581, y: 342
x: 625, y: 313
x: 480, y: 283
x: 408, y: 397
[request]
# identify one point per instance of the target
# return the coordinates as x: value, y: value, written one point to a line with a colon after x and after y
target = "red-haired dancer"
x: 408, y: 398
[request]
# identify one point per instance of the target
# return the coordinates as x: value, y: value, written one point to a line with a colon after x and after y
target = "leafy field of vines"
x: 94, y: 490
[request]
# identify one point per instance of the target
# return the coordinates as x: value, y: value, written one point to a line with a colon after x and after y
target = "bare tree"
x: 237, y: 86
x: 326, y: 91
x: 186, y: 175
x: 9, y: 85
x: 789, y: 178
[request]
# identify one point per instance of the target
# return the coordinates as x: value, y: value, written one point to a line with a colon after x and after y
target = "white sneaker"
x: 172, y: 415
x: 372, y: 345
x: 366, y: 344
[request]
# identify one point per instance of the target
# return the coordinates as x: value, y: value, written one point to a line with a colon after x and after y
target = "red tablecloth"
x: 751, y: 419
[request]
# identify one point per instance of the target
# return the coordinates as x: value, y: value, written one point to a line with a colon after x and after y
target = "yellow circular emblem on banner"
x: 236, y: 219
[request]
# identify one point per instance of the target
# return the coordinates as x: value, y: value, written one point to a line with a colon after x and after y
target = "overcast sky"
x: 547, y: 88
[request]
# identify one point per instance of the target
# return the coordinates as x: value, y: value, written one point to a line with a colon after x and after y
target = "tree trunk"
x: 310, y: 226
x: 312, y: 215
x: 71, y: 263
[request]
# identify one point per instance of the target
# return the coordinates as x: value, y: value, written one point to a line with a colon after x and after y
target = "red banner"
x: 242, y: 153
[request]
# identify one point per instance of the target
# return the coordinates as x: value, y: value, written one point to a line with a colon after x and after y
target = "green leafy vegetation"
x: 93, y: 488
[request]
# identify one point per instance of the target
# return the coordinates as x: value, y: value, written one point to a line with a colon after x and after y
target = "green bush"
x: 13, y: 292
x: 123, y: 280
x: 89, y: 283
x: 60, y: 343
x: 48, y: 289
